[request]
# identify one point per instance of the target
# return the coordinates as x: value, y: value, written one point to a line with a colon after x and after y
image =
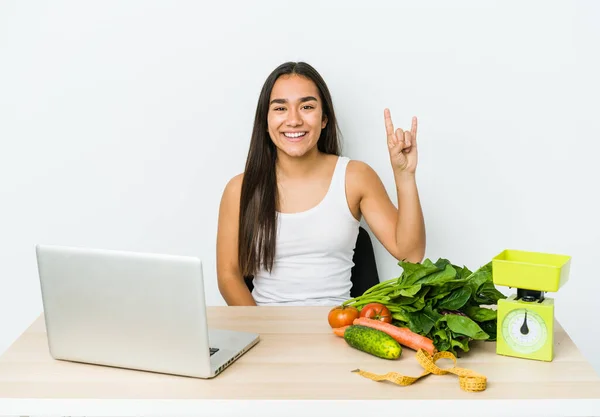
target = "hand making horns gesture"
x: 402, y: 145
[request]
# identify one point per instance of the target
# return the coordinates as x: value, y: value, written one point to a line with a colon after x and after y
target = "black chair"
x: 364, y: 272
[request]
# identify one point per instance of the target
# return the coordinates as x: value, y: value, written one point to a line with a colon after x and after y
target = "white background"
x: 121, y: 122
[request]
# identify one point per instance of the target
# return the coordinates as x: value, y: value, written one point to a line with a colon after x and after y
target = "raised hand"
x: 402, y: 145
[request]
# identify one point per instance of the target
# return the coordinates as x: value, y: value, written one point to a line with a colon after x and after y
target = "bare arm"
x: 401, y: 231
x: 410, y: 225
x: 231, y: 283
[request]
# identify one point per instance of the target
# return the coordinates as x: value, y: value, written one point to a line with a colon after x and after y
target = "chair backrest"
x: 364, y: 272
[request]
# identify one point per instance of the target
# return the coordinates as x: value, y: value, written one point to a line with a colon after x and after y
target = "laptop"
x: 132, y: 310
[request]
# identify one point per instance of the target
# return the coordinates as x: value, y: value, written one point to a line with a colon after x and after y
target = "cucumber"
x: 372, y: 341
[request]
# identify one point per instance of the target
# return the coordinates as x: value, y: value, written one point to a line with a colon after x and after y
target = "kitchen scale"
x: 526, y: 319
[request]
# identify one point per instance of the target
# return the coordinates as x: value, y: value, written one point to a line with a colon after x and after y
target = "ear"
x: 324, y: 122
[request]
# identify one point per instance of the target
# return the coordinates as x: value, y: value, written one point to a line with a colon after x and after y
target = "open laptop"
x: 132, y: 310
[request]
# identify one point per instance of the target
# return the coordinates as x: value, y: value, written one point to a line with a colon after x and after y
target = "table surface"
x: 297, y: 358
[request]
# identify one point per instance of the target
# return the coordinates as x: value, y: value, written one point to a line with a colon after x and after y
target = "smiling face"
x: 295, y: 118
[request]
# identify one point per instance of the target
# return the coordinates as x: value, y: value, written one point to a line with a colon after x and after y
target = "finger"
x: 392, y: 140
x: 389, y: 126
x: 400, y: 137
x: 397, y: 150
x: 413, y: 129
x: 407, y: 139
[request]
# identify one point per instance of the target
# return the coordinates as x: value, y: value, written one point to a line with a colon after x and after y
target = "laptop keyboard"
x: 213, y: 351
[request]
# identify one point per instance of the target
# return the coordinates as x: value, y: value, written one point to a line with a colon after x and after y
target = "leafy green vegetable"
x: 465, y: 326
x: 423, y: 321
x: 488, y: 294
x: 480, y: 314
x: 456, y: 299
x: 490, y: 328
x: 441, y: 301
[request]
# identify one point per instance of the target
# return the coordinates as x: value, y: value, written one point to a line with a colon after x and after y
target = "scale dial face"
x: 524, y: 330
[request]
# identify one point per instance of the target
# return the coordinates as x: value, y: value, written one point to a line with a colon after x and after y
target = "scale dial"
x: 524, y: 330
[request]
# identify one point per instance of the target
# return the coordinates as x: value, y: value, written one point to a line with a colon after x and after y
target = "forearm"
x: 410, y: 225
x: 235, y: 292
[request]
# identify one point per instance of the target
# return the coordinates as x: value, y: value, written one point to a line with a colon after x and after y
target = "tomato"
x: 376, y: 311
x: 342, y: 316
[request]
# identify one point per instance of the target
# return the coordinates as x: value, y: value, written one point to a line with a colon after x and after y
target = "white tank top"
x: 313, y: 252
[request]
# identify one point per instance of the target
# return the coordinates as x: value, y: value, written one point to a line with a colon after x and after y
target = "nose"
x: 293, y: 117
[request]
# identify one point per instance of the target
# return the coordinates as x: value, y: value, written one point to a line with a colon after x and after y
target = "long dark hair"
x: 259, y: 198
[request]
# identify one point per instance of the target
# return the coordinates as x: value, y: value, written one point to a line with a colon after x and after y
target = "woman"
x: 291, y: 219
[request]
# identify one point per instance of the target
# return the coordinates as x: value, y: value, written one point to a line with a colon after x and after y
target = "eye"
x: 309, y: 107
x: 278, y: 108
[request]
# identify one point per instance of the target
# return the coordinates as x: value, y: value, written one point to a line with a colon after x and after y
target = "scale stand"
x: 526, y: 319
x: 530, y: 295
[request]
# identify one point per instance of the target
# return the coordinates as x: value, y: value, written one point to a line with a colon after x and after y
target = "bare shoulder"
x: 361, y: 182
x: 235, y: 183
x: 233, y: 190
x: 361, y: 174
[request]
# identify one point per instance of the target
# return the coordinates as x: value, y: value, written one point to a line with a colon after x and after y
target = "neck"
x: 297, y: 167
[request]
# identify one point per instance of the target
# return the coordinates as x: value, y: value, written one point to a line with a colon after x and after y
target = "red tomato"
x: 342, y: 316
x: 376, y: 311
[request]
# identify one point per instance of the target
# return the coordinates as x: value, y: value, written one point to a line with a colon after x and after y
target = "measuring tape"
x: 469, y: 381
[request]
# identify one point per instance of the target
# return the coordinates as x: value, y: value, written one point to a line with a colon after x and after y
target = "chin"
x: 295, y: 150
x: 293, y: 153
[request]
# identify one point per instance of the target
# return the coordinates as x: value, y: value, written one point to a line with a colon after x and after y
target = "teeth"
x: 294, y: 135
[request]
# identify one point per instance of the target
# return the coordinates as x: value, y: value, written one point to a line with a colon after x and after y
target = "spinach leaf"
x: 491, y: 328
x: 480, y: 314
x: 478, y: 279
x: 465, y: 326
x: 440, y: 291
x: 415, y: 305
x: 423, y: 321
x: 412, y: 272
x: 410, y: 291
x: 462, y: 273
x: 403, y: 300
x: 461, y: 342
x: 456, y: 299
x: 488, y: 294
x: 440, y: 277
x: 441, y: 339
x: 442, y: 263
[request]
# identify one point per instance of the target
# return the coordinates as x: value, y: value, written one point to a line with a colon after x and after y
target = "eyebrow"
x: 302, y: 100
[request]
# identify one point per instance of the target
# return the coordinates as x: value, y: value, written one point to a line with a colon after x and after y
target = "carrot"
x: 339, y: 331
x: 402, y: 335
